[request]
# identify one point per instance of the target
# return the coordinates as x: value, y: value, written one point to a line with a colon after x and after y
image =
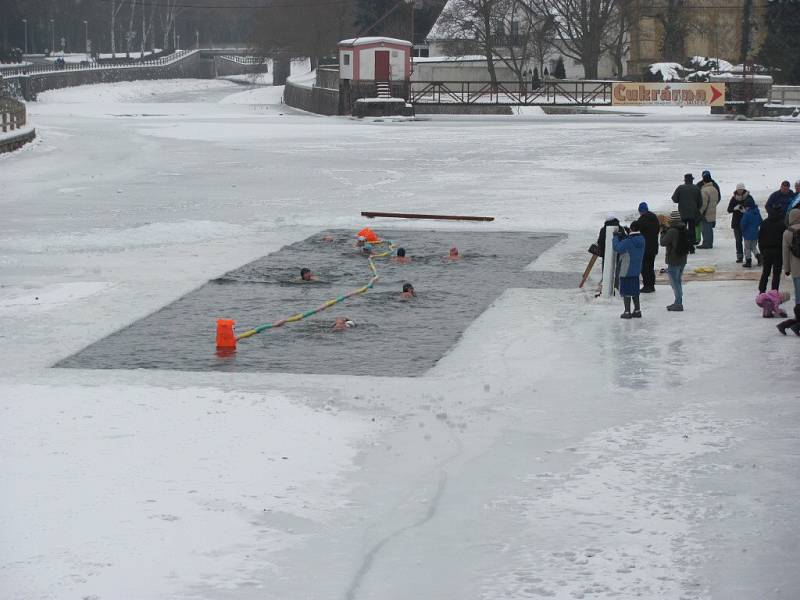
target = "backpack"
x: 794, y: 246
x: 683, y: 246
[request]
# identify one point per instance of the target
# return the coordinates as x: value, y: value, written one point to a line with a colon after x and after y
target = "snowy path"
x: 555, y: 452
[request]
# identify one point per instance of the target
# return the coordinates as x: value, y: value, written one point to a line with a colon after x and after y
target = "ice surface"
x: 556, y: 451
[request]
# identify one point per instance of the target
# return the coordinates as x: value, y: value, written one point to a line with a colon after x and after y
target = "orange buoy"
x: 368, y: 234
x: 226, y: 339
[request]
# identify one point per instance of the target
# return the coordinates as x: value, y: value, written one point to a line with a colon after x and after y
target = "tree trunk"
x: 747, y: 11
x: 113, y: 28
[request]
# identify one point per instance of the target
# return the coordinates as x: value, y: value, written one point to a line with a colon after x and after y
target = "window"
x: 345, y: 59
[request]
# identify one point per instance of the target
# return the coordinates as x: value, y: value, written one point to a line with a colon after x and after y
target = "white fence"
x: 786, y: 94
x: 88, y: 66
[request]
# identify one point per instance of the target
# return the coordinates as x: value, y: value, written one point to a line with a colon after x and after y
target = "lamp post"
x: 86, y: 35
x: 25, y: 21
x: 52, y: 37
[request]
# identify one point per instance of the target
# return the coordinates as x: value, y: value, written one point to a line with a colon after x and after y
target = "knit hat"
x: 688, y: 177
x: 675, y: 218
x: 740, y: 187
x: 643, y: 207
x: 706, y: 173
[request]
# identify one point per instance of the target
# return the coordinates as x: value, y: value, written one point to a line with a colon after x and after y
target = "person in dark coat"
x: 688, y: 198
x: 770, y: 242
x: 649, y: 226
x: 736, y: 209
x: 611, y: 219
x: 782, y: 197
x: 676, y: 240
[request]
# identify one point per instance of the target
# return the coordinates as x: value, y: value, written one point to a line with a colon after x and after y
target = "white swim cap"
x: 350, y: 323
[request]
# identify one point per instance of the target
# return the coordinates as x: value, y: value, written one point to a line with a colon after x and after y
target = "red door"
x: 381, y: 65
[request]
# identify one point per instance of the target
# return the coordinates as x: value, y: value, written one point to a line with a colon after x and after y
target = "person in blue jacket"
x: 750, y: 224
x: 631, y: 251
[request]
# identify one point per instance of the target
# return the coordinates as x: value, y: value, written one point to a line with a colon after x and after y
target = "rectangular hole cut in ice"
x: 392, y: 337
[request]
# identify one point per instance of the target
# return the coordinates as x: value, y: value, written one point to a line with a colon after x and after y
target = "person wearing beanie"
x: 649, y: 227
x: 675, y: 238
x: 751, y: 223
x: 631, y: 252
x: 689, y: 199
x: 770, y: 240
x: 736, y: 210
x: 709, y: 192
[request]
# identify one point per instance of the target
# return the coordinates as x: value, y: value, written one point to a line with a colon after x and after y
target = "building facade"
x: 674, y: 30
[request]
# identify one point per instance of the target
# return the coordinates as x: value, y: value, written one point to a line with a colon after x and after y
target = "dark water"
x: 393, y: 337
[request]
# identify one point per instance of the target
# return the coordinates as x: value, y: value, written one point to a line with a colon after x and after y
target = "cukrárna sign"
x: 668, y: 94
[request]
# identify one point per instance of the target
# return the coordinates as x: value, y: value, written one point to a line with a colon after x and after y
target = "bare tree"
x: 583, y: 27
x: 675, y: 25
x: 171, y: 10
x: 130, y: 35
x: 617, y: 42
x: 473, y: 27
x: 116, y: 6
x: 543, y: 31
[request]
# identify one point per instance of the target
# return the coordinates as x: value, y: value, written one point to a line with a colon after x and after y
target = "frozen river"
x: 554, y: 452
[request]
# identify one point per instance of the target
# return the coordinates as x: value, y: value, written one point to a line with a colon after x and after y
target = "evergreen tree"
x: 560, y: 72
x: 781, y: 49
x: 536, y: 82
x: 369, y: 11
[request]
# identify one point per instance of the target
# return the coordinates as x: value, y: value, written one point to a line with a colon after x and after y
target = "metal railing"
x: 89, y: 66
x: 244, y: 60
x: 554, y: 92
x: 12, y: 114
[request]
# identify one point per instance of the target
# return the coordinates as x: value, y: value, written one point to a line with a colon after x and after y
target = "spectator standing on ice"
x: 688, y: 198
x: 611, y: 220
x: 649, y: 227
x: 791, y: 257
x: 736, y: 209
x: 709, y: 192
x: 770, y: 242
x: 751, y: 223
x: 675, y: 238
x: 782, y: 197
x: 631, y: 251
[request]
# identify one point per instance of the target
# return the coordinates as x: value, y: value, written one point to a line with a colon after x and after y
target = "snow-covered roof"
x: 363, y: 41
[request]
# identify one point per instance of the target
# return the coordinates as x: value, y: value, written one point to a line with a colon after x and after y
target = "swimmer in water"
x: 327, y: 239
x: 307, y: 275
x: 453, y: 255
x: 366, y: 249
x: 408, y: 292
x: 342, y: 324
x: 360, y: 241
x: 401, y: 258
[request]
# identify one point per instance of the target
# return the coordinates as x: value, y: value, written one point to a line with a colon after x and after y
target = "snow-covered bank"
x: 556, y: 451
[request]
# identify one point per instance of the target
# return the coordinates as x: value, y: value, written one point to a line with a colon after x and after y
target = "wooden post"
x: 372, y: 215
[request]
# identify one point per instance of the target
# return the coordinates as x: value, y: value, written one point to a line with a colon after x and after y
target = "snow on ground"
x: 555, y: 452
x: 127, y: 91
